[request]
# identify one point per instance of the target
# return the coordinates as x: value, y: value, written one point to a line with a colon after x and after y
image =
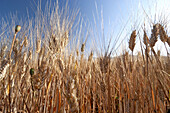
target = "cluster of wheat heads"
x: 41, y: 78
x: 52, y: 82
x: 155, y: 69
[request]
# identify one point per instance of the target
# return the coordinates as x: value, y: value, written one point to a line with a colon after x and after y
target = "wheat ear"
x: 132, y: 40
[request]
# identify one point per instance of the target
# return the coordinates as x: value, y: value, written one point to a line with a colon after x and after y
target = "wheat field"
x: 39, y: 73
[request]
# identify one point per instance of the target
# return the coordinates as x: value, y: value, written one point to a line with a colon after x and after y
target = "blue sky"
x: 115, y: 12
x: 111, y: 8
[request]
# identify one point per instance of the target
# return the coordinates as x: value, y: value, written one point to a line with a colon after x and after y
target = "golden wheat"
x: 154, y: 35
x: 145, y: 39
x: 162, y: 33
x: 132, y: 40
x: 45, y: 78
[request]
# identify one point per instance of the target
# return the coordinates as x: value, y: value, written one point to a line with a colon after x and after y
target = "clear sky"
x: 116, y: 13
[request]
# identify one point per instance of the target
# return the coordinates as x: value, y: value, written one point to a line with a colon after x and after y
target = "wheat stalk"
x: 162, y: 33
x: 154, y: 35
x: 132, y: 40
x: 145, y: 38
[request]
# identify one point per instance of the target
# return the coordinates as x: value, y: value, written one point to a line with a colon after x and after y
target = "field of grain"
x: 41, y: 73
